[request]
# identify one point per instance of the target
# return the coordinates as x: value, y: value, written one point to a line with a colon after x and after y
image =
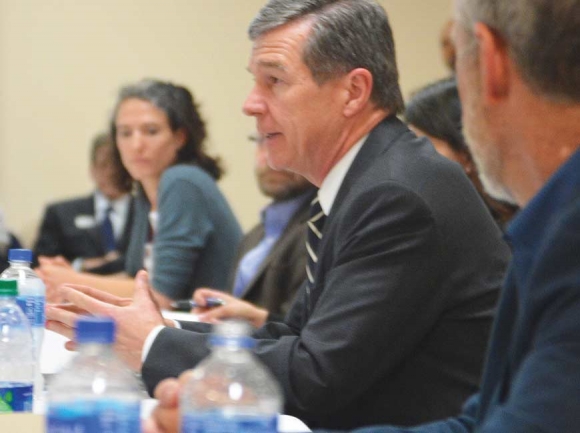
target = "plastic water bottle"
x: 95, y: 392
x: 17, y: 360
x: 31, y: 298
x: 31, y: 290
x: 231, y: 390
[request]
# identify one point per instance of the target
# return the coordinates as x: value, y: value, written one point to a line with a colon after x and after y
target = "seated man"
x: 272, y: 256
x: 404, y: 261
x: 92, y: 232
x: 518, y: 74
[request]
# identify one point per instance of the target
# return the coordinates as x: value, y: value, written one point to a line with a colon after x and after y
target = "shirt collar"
x: 528, y: 228
x: 120, y: 206
x: 278, y: 214
x: 333, y: 180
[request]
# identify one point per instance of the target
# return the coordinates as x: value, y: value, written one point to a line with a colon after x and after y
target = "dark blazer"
x: 284, y: 269
x: 60, y: 235
x: 396, y: 327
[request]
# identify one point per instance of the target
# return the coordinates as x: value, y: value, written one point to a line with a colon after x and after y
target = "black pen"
x: 188, y: 304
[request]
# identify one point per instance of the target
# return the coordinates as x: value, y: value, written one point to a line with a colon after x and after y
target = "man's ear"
x: 93, y: 172
x: 358, y: 85
x: 494, y: 64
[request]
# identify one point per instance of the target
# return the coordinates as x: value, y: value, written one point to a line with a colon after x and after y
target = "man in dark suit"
x: 404, y: 260
x: 518, y: 60
x: 271, y: 259
x: 92, y: 232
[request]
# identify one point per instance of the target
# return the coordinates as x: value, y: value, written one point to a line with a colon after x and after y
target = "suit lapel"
x: 93, y: 233
x: 380, y: 140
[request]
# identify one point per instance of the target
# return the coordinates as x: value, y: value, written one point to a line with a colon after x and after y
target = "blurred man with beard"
x: 271, y: 259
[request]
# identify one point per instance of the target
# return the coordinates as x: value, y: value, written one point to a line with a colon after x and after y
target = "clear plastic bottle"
x: 17, y: 360
x: 231, y: 390
x: 31, y: 298
x: 96, y: 392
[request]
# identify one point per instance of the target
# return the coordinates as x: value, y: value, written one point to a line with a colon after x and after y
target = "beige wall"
x: 62, y: 61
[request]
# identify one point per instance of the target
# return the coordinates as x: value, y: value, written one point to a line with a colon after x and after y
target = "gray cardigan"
x: 196, y: 238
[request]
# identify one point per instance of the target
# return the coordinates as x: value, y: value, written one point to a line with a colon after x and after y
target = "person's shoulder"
x: 70, y: 203
x: 566, y: 223
x: 187, y: 172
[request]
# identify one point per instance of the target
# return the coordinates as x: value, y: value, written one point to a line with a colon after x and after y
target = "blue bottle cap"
x: 232, y: 333
x: 19, y: 255
x: 8, y: 288
x: 95, y: 329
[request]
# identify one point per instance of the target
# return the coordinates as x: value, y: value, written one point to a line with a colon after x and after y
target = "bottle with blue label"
x: 31, y: 298
x: 231, y: 390
x: 17, y: 361
x: 96, y: 392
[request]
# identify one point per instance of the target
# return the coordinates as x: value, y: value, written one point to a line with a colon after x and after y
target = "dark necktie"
x: 315, y: 224
x: 107, y: 232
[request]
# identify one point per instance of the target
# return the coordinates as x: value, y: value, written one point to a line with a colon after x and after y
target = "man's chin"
x: 275, y: 163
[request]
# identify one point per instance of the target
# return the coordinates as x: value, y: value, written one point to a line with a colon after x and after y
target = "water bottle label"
x: 15, y: 397
x: 33, y: 307
x: 108, y: 416
x: 215, y: 423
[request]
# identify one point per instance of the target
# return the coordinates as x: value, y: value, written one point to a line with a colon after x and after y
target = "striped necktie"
x: 315, y: 224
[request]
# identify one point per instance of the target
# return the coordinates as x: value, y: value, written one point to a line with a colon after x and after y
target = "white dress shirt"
x: 333, y: 180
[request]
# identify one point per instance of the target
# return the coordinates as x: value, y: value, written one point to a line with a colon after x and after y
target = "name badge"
x: 84, y: 222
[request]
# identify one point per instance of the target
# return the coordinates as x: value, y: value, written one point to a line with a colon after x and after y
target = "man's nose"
x: 254, y: 104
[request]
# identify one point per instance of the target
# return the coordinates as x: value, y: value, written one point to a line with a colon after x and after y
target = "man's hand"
x: 94, y: 262
x: 165, y: 418
x: 54, y: 261
x: 134, y: 319
x: 233, y: 308
x: 54, y: 271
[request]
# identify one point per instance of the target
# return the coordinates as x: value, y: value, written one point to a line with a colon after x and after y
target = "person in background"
x: 271, y: 259
x: 92, y: 232
x: 404, y: 260
x: 7, y: 242
x: 448, y: 52
x: 184, y: 231
x: 435, y: 112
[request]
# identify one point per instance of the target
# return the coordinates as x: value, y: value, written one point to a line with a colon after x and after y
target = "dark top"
x: 69, y: 229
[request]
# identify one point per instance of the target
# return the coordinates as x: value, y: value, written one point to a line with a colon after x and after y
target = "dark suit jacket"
x: 396, y: 328
x: 284, y: 269
x: 59, y: 235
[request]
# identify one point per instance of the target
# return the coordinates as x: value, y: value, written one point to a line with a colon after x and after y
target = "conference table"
x: 54, y: 357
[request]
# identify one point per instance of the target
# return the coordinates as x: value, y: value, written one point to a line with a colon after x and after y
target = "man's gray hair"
x: 346, y: 34
x: 542, y: 36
